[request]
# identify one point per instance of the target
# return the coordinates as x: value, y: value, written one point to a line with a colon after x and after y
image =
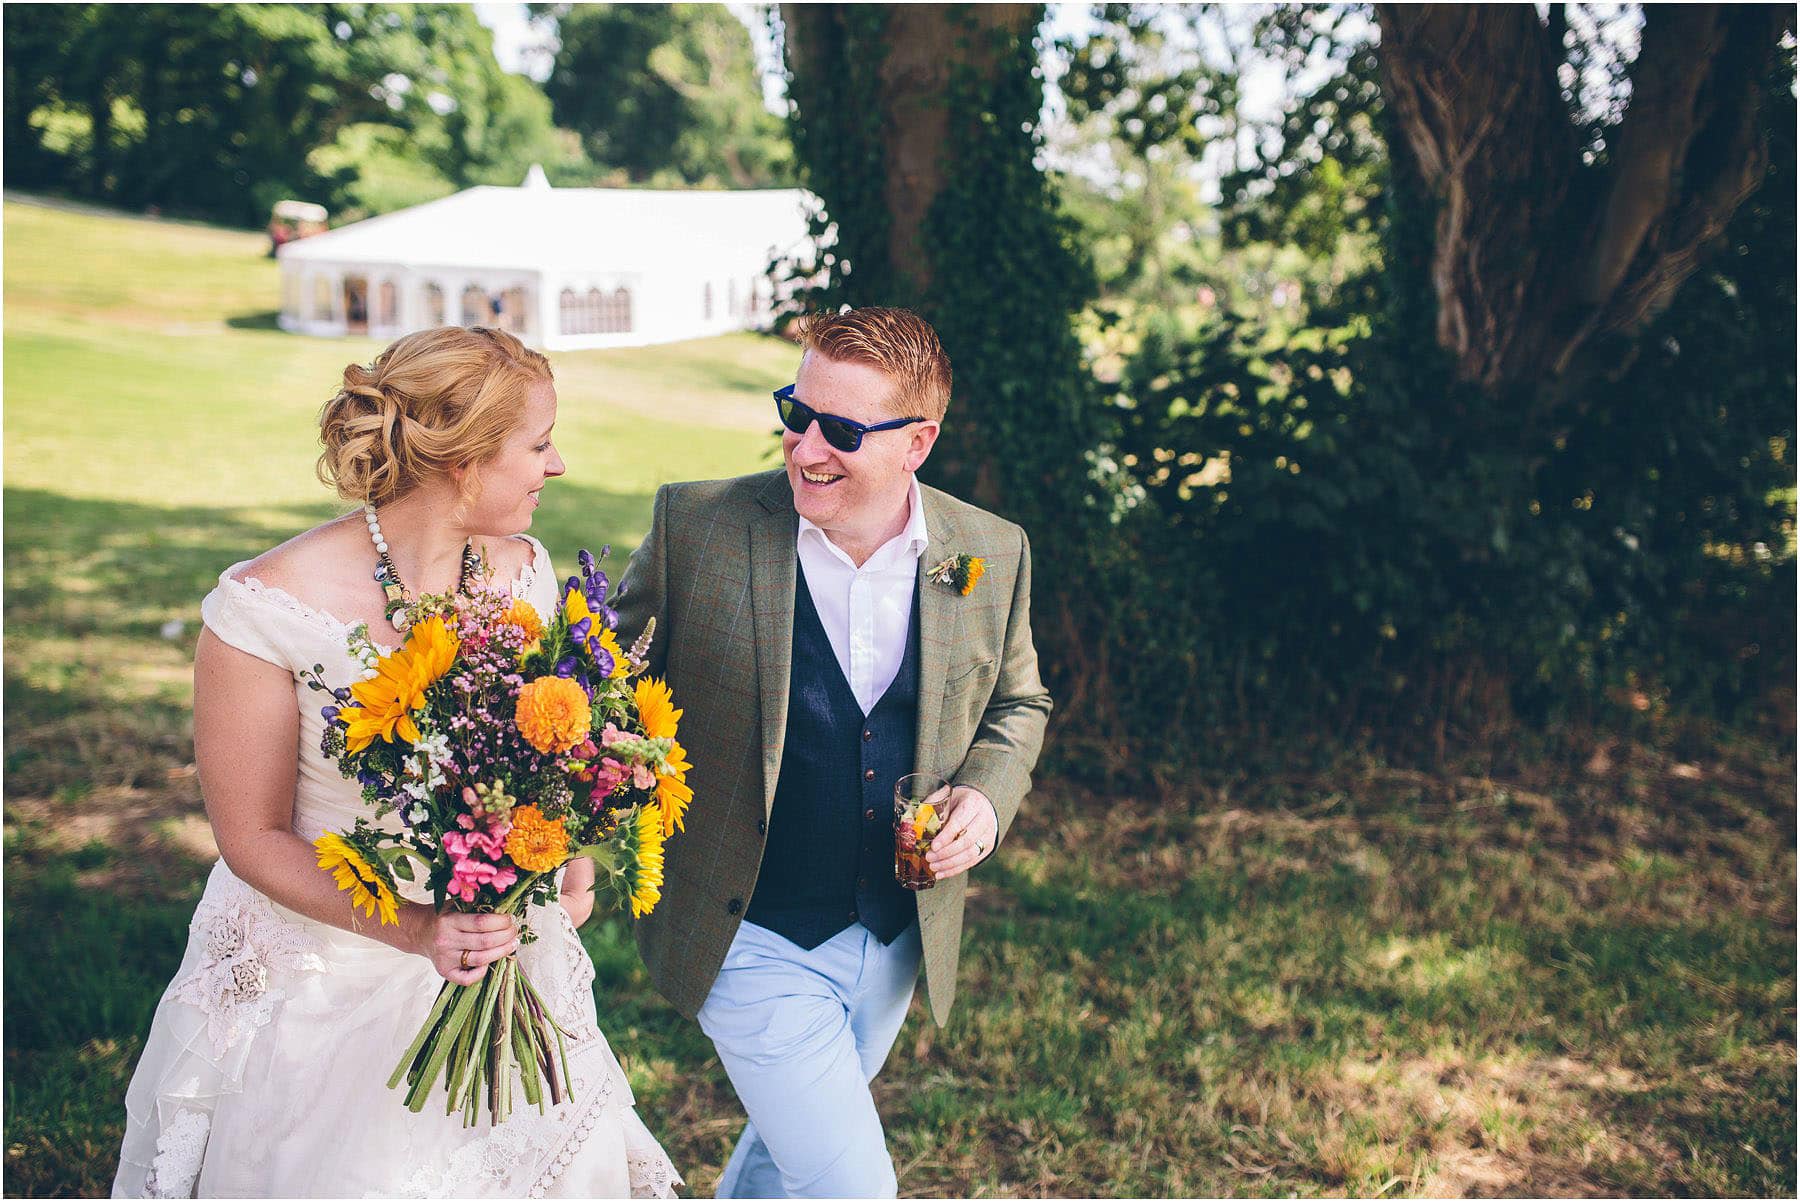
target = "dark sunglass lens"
x: 844, y: 438
x: 794, y: 415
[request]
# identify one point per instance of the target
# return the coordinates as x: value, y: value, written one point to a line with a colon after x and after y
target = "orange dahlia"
x: 553, y: 714
x: 537, y: 843
x: 525, y: 616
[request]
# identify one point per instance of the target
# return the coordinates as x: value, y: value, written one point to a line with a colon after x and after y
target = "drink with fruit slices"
x: 919, y: 801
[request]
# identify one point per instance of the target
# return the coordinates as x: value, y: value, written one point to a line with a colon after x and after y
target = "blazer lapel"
x: 938, y: 617
x: 772, y: 578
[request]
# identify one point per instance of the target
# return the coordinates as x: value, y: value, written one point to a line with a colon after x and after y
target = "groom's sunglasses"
x: 841, y: 432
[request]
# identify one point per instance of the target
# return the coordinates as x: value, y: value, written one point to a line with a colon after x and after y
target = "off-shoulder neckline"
x: 282, y: 599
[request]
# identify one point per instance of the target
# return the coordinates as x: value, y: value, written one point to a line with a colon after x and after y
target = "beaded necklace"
x: 400, y: 607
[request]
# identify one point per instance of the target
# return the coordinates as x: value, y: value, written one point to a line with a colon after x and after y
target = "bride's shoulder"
x: 310, y: 566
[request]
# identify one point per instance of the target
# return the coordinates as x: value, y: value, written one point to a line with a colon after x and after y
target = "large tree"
x: 1548, y: 259
x: 218, y: 109
x: 667, y: 91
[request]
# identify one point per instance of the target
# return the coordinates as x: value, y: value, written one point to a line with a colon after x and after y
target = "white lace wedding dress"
x: 265, y: 1071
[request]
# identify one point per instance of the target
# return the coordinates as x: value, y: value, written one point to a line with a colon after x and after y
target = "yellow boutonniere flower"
x: 960, y: 572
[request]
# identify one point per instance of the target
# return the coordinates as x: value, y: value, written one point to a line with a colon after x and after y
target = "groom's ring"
x: 465, y: 960
x: 980, y: 848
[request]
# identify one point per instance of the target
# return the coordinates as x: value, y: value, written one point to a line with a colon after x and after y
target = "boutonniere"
x: 960, y: 572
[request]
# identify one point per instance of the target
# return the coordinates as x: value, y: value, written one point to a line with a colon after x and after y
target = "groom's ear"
x: 924, y: 437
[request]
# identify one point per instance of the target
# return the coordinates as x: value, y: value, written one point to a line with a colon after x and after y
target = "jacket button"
x: 868, y: 735
x: 869, y: 775
x: 862, y: 882
x: 762, y: 826
x: 868, y: 815
x: 853, y: 916
x: 734, y: 906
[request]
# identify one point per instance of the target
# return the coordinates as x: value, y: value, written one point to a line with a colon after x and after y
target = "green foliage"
x: 1391, y: 549
x: 666, y: 92
x: 220, y: 110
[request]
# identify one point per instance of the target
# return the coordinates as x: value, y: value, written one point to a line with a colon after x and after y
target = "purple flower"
x: 329, y: 713
x: 603, y: 662
x: 586, y: 559
x: 580, y: 630
x: 566, y: 666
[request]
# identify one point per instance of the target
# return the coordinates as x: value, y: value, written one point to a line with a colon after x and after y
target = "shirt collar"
x: 910, y: 543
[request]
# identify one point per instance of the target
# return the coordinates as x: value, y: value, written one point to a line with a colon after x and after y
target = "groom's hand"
x: 967, y: 837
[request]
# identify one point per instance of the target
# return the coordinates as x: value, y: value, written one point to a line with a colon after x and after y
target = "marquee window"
x: 616, y: 318
x: 595, y: 312
x: 434, y: 305
x: 512, y: 310
x: 475, y: 309
x: 387, y: 305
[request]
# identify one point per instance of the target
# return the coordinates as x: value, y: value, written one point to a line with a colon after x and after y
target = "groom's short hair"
x: 898, y: 342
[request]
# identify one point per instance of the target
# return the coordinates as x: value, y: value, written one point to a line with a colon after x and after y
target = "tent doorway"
x: 356, y: 304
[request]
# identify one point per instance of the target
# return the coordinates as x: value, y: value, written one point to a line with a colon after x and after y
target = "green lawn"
x: 1569, y: 972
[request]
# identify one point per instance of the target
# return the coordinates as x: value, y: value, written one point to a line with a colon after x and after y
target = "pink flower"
x: 642, y: 777
x: 613, y: 734
x: 608, y: 775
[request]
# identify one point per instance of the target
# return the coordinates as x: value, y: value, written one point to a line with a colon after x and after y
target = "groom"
x: 819, y: 660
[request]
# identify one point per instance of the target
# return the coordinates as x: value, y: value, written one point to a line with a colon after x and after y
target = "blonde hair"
x: 432, y: 401
x: 897, y: 341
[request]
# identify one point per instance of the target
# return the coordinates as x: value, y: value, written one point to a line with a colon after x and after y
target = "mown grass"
x: 1568, y: 972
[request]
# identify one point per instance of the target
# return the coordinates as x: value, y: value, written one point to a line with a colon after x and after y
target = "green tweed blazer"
x: 717, y: 572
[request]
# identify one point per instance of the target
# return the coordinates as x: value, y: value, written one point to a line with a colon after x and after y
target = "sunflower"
x: 385, y: 704
x: 644, y: 873
x: 368, y: 891
x: 672, y: 791
x: 600, y: 636
x: 656, y: 709
x: 537, y: 843
x: 525, y: 616
x: 977, y: 567
x: 553, y: 714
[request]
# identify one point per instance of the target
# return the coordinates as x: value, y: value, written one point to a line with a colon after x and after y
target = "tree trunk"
x: 1536, y: 256
x: 920, y: 47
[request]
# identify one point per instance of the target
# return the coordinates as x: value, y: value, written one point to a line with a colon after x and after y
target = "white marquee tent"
x: 564, y: 268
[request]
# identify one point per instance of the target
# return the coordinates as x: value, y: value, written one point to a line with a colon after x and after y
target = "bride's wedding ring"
x: 465, y: 960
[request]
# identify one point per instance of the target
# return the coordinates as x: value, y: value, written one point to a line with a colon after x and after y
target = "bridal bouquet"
x: 506, y: 743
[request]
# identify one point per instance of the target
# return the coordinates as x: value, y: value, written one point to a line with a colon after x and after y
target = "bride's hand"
x: 461, y: 946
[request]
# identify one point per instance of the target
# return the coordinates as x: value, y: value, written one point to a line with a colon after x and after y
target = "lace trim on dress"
x: 240, y: 938
x: 282, y: 599
x: 180, y: 1150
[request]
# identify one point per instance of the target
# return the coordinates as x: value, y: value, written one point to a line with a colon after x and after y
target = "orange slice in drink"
x: 925, y: 821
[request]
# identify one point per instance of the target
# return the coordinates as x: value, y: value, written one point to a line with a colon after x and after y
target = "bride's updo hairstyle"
x: 432, y: 401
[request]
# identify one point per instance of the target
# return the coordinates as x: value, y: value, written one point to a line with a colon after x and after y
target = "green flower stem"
x: 452, y: 1022
x: 411, y: 1059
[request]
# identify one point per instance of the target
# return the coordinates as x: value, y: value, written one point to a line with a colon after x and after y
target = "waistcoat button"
x: 869, y: 775
x: 735, y: 905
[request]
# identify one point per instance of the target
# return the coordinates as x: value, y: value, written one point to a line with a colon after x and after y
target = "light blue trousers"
x: 801, y: 1035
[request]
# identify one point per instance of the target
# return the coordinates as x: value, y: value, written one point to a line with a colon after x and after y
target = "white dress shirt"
x: 866, y: 611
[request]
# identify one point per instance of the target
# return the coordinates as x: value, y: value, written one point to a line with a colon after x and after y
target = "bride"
x: 265, y: 1070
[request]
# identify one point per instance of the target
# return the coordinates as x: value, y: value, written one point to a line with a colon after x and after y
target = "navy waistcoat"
x: 829, y: 859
